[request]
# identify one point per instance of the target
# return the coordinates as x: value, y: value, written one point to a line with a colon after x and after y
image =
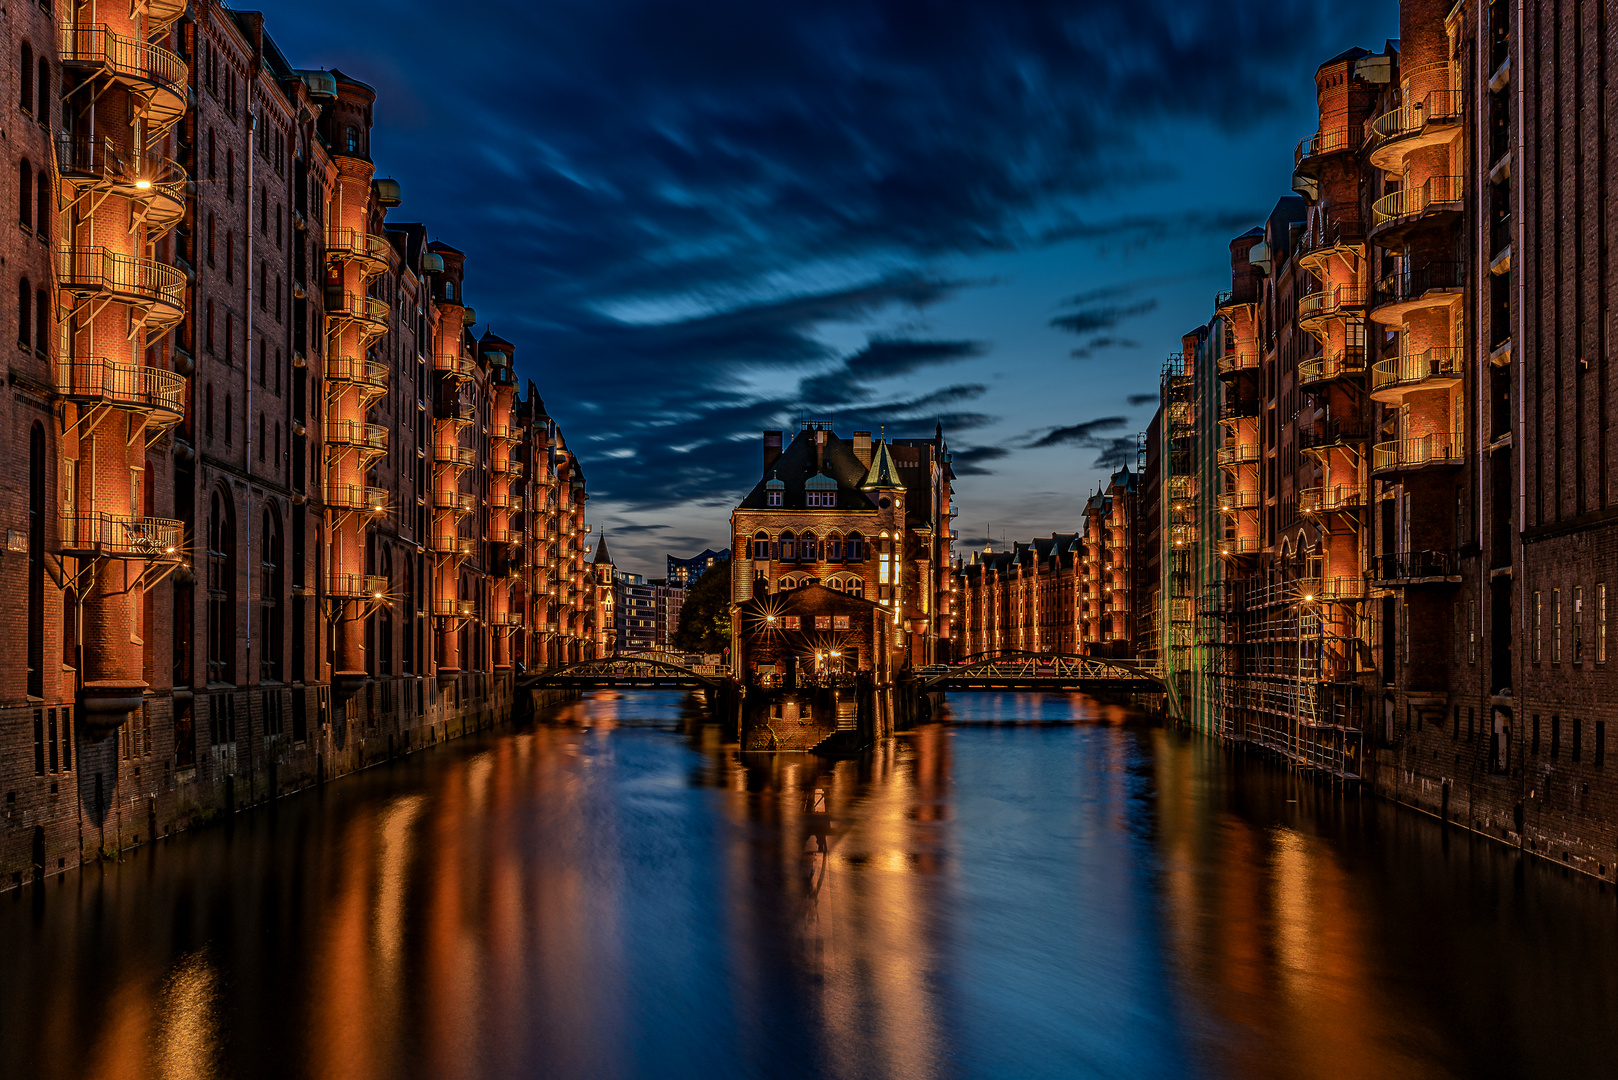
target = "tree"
x: 705, y: 615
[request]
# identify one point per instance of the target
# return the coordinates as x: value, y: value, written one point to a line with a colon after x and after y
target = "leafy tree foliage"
x: 705, y: 615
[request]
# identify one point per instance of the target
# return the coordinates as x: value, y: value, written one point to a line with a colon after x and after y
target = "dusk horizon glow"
x: 697, y: 226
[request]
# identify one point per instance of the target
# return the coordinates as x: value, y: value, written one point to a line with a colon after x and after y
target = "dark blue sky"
x: 701, y: 219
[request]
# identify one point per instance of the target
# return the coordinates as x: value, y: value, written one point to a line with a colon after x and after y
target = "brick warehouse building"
x: 1071, y: 593
x: 867, y: 519
x: 1412, y: 533
x: 283, y: 514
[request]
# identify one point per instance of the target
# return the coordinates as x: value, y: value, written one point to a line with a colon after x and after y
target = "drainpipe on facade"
x: 247, y: 421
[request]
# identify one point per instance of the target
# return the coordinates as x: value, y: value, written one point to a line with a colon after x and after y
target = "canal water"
x: 1042, y: 887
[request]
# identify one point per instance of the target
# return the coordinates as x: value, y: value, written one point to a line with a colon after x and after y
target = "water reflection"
x: 1045, y: 887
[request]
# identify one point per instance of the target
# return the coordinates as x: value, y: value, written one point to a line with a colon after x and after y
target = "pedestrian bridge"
x: 1017, y: 670
x: 635, y: 671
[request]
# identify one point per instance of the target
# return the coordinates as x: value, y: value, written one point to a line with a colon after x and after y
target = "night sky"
x: 698, y: 220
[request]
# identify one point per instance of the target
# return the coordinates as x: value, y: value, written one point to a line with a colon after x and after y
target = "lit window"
x: 790, y: 622
x: 1601, y: 622
x: 1556, y: 626
x: 839, y: 622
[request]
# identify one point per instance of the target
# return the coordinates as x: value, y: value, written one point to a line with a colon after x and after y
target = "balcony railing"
x: 370, y: 375
x: 505, y: 432
x: 1330, y: 499
x: 345, y: 306
x: 1439, y: 449
x: 372, y: 251
x: 1234, y: 298
x: 356, y: 497
x: 1401, y: 566
x: 124, y: 386
x: 1333, y: 433
x: 505, y: 618
x: 1237, y: 361
x: 454, y: 454
x: 1232, y: 501
x: 99, y: 161
x: 371, y: 437
x: 1238, y: 454
x: 1238, y: 545
x: 450, y: 544
x: 508, y: 466
x: 94, y: 45
x: 1434, y: 106
x: 1237, y: 408
x: 512, y: 503
x: 1410, y: 202
x: 124, y: 278
x: 1322, y: 143
x: 1414, y: 283
x: 1337, y: 365
x: 1328, y: 302
x: 358, y: 586
x: 458, y: 503
x: 454, y: 364
x: 1410, y: 371
x: 455, y: 609
x: 121, y: 536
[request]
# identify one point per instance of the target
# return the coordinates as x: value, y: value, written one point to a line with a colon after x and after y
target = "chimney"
x: 772, y: 447
x: 820, y: 450
x: 862, y: 447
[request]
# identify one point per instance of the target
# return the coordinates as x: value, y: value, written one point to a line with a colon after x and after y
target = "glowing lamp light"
x: 769, y: 618
x: 1308, y: 598
x: 143, y: 184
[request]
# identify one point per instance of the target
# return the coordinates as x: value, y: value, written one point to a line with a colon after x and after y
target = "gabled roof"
x: 791, y: 472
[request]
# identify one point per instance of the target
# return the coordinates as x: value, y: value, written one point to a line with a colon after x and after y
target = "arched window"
x: 834, y: 547
x: 230, y: 255
x: 761, y: 546
x: 788, y: 582
x: 854, y: 548
x: 789, y: 546
x: 44, y: 88
x: 271, y: 585
x: 25, y: 194
x: 854, y: 586
x: 25, y: 306
x: 207, y: 412
x: 228, y: 416
x: 25, y: 71
x: 42, y: 322
x: 807, y: 547
x: 221, y: 590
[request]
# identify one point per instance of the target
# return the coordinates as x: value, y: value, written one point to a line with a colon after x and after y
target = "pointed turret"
x: 603, y: 558
x: 883, y: 475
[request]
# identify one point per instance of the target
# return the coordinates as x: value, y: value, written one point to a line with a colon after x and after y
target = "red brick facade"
x: 281, y: 513
x: 1421, y: 539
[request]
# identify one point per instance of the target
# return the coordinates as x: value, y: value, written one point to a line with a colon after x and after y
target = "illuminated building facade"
x: 1070, y: 593
x: 683, y: 573
x: 647, y: 612
x: 869, y: 519
x: 282, y: 515
x: 1414, y: 531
